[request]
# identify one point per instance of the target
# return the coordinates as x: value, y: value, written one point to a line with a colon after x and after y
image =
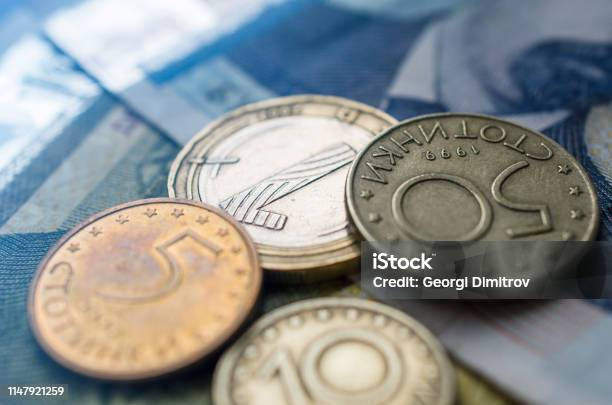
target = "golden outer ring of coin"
x: 308, y: 264
x: 590, y: 233
x: 217, y: 343
x: 222, y: 377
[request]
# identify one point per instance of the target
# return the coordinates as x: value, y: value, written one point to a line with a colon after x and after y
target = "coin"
x: 335, y: 351
x: 279, y: 167
x: 143, y: 289
x: 466, y: 177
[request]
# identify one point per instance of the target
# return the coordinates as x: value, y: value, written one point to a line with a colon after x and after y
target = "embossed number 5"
x: 170, y: 268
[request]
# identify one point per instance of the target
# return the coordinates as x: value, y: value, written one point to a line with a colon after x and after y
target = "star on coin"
x: 202, y: 219
x: 150, y: 212
x: 95, y: 231
x: 346, y: 113
x: 122, y: 219
x: 235, y: 249
x: 366, y: 194
x: 566, y: 235
x: 563, y: 169
x: 73, y: 247
x: 576, y: 214
x: 222, y: 232
x: 575, y: 190
x: 374, y: 217
x: 177, y: 212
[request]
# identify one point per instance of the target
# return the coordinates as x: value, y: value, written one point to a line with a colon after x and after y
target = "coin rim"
x: 589, y: 234
x: 222, y: 376
x: 208, y: 349
x: 319, y: 258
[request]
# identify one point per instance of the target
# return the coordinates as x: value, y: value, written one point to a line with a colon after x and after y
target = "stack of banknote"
x: 104, y: 102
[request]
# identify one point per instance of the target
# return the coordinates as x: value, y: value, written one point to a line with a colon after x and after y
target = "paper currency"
x: 107, y: 155
x: 598, y: 138
x: 445, y: 56
x: 61, y: 136
x: 429, y: 63
x: 40, y: 95
x: 135, y: 57
x: 540, y: 352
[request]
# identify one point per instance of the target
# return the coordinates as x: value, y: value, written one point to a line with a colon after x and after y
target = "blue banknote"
x: 445, y: 54
x: 544, y: 352
x: 76, y: 151
x: 547, y: 65
x: 147, y: 36
x: 67, y: 149
x: 40, y: 96
x: 95, y: 107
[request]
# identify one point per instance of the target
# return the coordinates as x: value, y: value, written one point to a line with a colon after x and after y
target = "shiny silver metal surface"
x: 335, y: 351
x: 280, y: 167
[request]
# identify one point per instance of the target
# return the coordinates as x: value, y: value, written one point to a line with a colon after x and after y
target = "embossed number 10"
x: 302, y: 383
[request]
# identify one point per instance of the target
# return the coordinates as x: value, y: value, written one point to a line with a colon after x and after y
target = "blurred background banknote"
x: 97, y: 96
x: 546, y: 65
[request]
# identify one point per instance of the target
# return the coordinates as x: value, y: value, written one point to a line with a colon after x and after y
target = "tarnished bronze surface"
x: 144, y: 289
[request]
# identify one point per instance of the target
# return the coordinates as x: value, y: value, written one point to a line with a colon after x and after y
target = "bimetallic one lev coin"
x: 469, y: 177
x: 279, y: 167
x: 335, y: 351
x: 144, y: 289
